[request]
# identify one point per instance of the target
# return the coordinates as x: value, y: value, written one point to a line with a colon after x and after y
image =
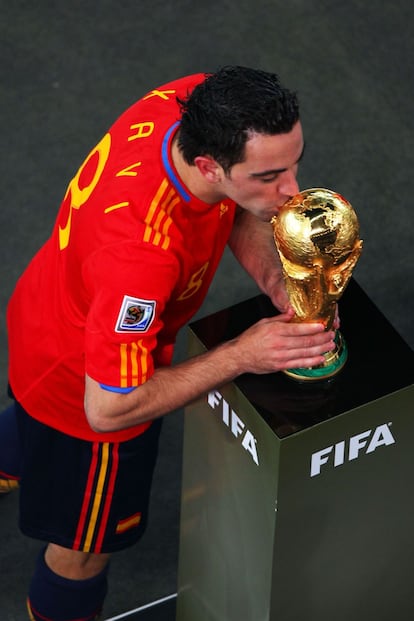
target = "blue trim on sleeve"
x: 166, y: 161
x: 117, y: 388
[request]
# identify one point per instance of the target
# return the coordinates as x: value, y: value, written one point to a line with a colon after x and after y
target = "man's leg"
x: 67, y: 585
x: 88, y: 498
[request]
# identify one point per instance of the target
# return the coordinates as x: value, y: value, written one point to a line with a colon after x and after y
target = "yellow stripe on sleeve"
x: 123, y: 350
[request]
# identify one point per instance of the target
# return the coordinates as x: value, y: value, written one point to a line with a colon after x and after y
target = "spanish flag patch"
x: 128, y: 523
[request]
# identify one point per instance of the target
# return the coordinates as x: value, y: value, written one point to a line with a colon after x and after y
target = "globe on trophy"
x: 316, y: 233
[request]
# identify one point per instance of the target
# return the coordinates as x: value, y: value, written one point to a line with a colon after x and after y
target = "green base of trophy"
x: 334, y: 361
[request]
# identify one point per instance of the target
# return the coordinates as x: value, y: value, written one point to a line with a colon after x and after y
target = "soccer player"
x: 195, y: 164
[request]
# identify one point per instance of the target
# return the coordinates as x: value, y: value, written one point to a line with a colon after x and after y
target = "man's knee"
x: 73, y: 564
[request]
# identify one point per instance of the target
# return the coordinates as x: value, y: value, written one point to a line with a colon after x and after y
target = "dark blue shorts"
x: 87, y: 496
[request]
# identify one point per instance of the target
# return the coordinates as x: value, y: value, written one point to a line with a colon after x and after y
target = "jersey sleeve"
x: 130, y: 285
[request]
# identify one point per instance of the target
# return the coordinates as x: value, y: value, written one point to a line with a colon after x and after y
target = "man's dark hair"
x: 221, y: 113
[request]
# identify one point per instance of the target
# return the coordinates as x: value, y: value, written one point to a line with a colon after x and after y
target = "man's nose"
x: 288, y: 185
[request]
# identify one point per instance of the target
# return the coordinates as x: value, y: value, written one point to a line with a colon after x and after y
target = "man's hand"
x: 277, y: 344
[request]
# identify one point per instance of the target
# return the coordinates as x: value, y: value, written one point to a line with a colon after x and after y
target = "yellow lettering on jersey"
x: 79, y: 195
x: 129, y: 170
x: 117, y: 206
x: 162, y: 94
x: 143, y: 130
x: 194, y: 283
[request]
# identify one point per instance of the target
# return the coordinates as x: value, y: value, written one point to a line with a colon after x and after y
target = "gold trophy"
x: 316, y: 234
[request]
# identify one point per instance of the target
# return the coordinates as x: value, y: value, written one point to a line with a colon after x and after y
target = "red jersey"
x: 129, y: 262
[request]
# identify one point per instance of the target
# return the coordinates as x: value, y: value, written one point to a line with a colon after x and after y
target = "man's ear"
x: 209, y: 168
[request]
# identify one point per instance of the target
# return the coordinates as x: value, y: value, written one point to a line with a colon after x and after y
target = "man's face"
x: 266, y: 178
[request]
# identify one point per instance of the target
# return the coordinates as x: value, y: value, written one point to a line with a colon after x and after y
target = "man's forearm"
x: 168, y: 389
x: 270, y: 345
x: 253, y: 245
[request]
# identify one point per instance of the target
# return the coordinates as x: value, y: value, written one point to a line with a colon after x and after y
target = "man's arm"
x: 270, y: 345
x: 253, y: 245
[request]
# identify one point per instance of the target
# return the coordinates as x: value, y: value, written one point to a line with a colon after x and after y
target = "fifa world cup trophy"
x: 316, y: 234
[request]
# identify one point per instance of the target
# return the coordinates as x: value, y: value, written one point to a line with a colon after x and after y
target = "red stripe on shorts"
x: 87, y: 496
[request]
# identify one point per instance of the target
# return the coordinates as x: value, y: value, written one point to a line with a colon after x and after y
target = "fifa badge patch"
x: 135, y: 315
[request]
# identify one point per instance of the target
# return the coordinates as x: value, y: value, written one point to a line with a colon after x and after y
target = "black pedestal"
x: 298, y: 499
